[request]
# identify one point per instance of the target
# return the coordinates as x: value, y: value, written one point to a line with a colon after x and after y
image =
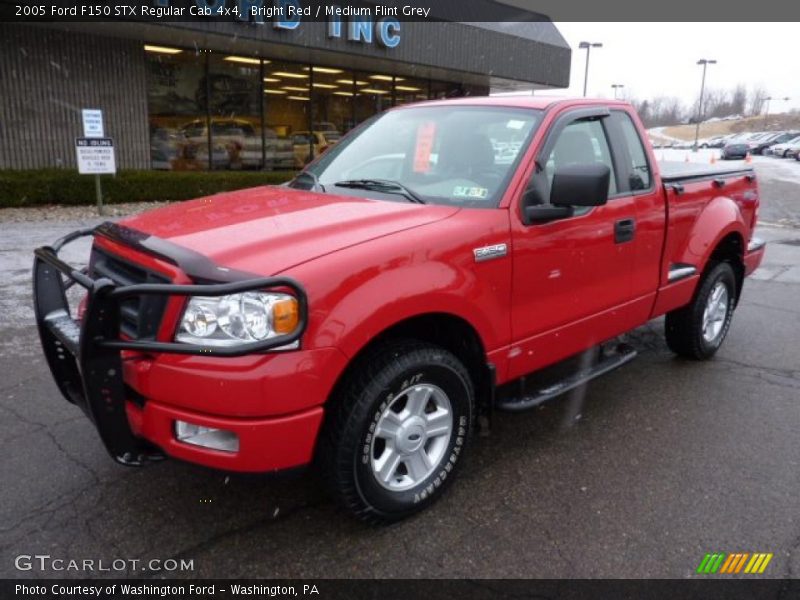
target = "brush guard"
x: 85, y: 356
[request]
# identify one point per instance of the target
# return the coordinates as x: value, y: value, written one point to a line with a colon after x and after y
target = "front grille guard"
x: 85, y: 357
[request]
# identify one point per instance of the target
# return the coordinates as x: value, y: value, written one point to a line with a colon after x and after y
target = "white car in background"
x: 236, y: 144
x: 786, y: 149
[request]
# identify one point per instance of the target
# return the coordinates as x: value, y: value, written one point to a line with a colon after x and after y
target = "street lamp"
x: 588, y: 46
x: 766, y: 113
x: 705, y: 62
x: 616, y: 86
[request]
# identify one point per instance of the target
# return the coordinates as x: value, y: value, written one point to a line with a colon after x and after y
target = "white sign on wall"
x: 92, y: 123
x: 95, y: 156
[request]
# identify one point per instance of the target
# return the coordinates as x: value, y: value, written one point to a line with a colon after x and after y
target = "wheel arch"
x: 719, y: 233
x: 730, y: 248
x: 452, y: 332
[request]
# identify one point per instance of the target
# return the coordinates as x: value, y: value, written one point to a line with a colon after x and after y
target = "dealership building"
x: 210, y: 94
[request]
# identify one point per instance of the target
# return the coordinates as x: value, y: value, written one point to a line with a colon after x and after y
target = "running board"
x: 621, y: 355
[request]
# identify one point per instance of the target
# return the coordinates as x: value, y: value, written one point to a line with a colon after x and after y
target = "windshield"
x: 456, y: 155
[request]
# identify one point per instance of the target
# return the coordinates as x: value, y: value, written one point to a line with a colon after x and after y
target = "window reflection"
x: 235, y: 114
x: 287, y: 98
x: 373, y: 94
x: 175, y: 98
x: 408, y: 90
x: 229, y: 111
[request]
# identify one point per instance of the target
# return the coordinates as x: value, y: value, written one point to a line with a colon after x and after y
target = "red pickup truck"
x: 362, y: 316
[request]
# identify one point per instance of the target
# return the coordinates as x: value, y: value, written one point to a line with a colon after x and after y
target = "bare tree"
x: 739, y: 99
x: 758, y: 96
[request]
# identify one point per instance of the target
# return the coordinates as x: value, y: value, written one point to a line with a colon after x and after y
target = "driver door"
x: 572, y: 276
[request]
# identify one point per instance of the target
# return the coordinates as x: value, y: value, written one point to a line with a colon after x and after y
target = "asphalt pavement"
x: 655, y: 465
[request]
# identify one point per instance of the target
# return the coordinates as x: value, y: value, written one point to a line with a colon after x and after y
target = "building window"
x: 234, y: 107
x: 228, y: 111
x: 373, y: 94
x: 408, y: 90
x: 176, y: 106
x: 287, y: 114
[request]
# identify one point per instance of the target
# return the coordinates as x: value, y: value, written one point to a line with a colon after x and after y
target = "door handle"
x: 624, y: 230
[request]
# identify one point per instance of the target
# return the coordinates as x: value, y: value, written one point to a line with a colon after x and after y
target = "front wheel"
x: 396, y: 430
x: 697, y: 330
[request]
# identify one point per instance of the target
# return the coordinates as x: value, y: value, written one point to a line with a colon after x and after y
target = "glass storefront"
x: 217, y: 111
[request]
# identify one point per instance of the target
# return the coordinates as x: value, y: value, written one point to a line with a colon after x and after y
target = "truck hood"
x: 267, y: 230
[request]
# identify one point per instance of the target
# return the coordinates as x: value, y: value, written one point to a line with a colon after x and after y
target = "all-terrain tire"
x: 684, y: 328
x: 383, y: 381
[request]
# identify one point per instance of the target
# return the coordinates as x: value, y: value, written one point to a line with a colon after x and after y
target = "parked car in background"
x: 237, y: 137
x: 279, y: 151
x: 786, y: 149
x: 236, y: 144
x: 718, y: 141
x: 735, y: 150
x: 781, y: 138
x: 166, y: 147
x: 793, y: 151
x: 304, y: 140
x: 764, y: 143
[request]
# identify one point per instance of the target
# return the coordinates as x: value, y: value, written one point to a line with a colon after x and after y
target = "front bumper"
x: 86, y: 361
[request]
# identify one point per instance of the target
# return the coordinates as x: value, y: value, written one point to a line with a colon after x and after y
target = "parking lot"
x: 653, y: 466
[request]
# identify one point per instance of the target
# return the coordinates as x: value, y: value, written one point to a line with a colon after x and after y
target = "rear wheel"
x: 397, y: 428
x: 697, y: 330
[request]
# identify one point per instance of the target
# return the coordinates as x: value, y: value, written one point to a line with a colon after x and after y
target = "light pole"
x: 705, y: 62
x: 616, y: 86
x: 766, y: 113
x: 588, y: 46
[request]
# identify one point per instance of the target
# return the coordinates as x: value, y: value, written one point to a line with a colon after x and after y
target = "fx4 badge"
x: 490, y: 252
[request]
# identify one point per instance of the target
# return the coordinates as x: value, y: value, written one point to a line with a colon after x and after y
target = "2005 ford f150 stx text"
x: 362, y: 316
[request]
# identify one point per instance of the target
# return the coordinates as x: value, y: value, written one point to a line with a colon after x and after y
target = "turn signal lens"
x: 285, y: 316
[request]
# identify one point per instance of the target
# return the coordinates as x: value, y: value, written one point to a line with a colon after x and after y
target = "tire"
x: 684, y: 328
x: 408, y: 379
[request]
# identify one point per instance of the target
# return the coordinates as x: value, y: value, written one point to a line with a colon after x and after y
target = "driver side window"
x: 581, y: 142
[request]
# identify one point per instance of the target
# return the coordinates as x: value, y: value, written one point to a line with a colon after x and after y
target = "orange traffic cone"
x: 748, y: 158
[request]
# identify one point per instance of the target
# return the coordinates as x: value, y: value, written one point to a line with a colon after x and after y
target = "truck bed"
x: 672, y: 171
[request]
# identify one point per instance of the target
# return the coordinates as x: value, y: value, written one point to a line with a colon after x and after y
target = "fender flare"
x: 706, y: 233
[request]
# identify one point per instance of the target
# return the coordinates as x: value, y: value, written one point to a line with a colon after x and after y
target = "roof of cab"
x: 537, y: 102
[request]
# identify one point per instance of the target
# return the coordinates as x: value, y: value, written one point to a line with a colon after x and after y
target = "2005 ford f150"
x: 362, y: 316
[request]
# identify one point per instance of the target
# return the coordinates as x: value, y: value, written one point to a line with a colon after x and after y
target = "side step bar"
x: 622, y: 354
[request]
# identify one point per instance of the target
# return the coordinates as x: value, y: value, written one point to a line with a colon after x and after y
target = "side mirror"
x: 580, y: 185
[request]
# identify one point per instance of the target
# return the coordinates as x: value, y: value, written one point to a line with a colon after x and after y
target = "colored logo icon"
x: 739, y: 562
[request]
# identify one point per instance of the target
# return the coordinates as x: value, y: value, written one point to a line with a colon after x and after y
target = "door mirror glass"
x: 580, y: 185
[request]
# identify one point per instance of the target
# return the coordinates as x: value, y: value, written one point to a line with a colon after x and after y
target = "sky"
x: 655, y: 59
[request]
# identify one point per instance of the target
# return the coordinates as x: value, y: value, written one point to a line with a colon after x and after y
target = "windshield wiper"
x: 314, y: 179
x: 387, y: 186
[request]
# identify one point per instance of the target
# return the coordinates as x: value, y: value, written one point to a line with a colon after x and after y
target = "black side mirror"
x: 580, y: 185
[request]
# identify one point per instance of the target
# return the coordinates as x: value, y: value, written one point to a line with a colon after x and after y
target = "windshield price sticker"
x: 426, y: 133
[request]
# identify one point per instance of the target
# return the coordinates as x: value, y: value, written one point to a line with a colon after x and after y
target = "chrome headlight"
x: 238, y: 318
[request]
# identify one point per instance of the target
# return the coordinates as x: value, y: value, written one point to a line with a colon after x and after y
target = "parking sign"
x: 92, y: 123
